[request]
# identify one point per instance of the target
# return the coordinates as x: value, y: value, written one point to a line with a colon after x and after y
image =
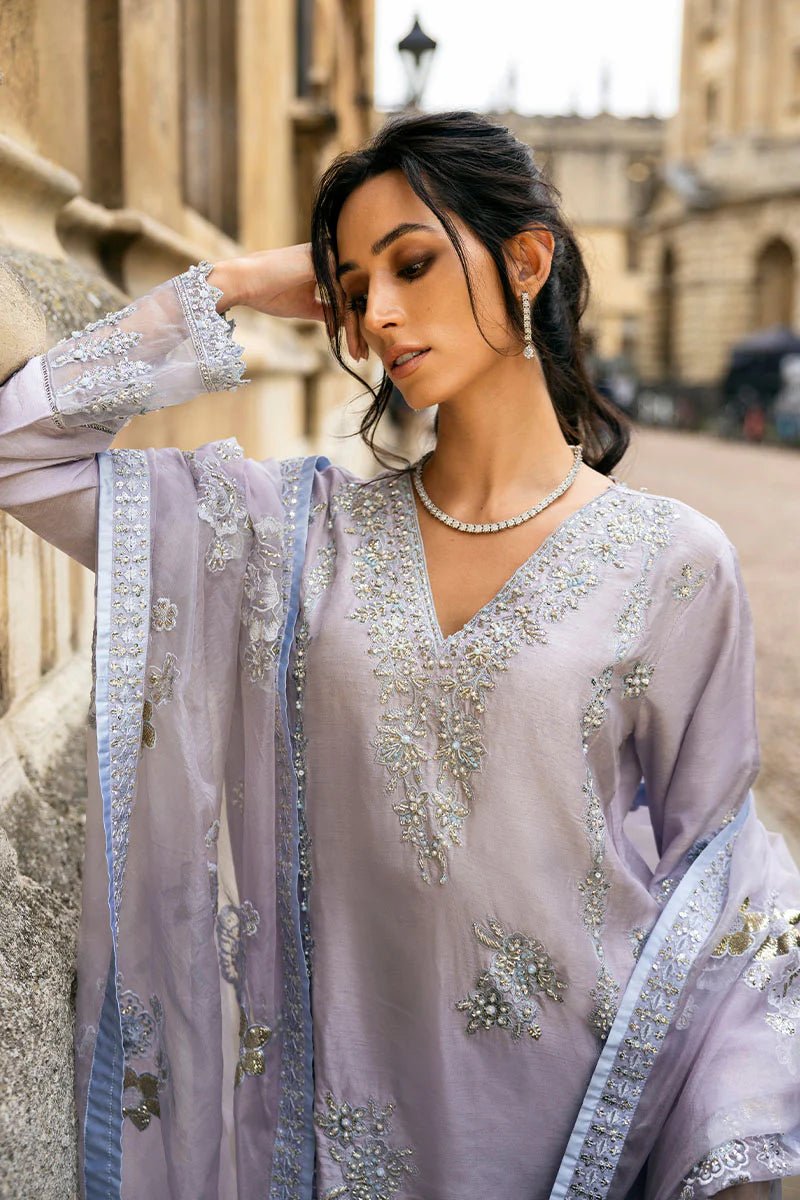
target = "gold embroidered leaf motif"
x: 506, y: 993
x: 145, y: 1089
x: 252, y: 1040
x: 148, y: 729
x: 783, y: 933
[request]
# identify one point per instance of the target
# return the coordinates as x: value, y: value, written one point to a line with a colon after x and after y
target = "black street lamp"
x: 416, y: 50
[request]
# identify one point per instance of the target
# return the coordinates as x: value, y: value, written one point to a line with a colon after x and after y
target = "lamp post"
x: 416, y: 50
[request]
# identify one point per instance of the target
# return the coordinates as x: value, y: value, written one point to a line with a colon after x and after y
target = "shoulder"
x: 680, y: 531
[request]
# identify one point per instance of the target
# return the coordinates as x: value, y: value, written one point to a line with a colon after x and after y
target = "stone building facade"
x: 604, y: 167
x: 136, y: 137
x: 720, y: 240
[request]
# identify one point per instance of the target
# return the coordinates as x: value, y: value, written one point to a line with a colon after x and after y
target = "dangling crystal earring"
x: 529, y: 350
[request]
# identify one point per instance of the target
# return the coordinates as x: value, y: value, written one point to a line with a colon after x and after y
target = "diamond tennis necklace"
x: 493, y: 526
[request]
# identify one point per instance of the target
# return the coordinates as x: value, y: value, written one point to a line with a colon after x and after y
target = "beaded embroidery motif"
x: 520, y: 972
x: 371, y: 1168
x: 729, y: 1164
x: 317, y: 580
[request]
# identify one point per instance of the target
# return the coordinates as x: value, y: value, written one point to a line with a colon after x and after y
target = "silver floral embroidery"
x: 691, y: 579
x: 218, y: 355
x: 596, y: 1152
x: 222, y: 506
x: 506, y: 994
x: 646, y: 524
x: 87, y: 351
x: 162, y: 680
x: 262, y: 610
x: 730, y: 1163
x: 412, y: 662
x: 371, y: 1168
x: 130, y: 590
x: 637, y: 681
x: 595, y: 885
x: 212, y: 833
x: 164, y: 615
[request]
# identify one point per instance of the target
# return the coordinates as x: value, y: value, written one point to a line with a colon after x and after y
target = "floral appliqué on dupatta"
x: 142, y: 1036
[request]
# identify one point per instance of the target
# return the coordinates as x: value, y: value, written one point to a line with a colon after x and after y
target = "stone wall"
x: 122, y: 162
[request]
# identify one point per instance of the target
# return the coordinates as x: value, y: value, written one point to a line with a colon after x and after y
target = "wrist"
x: 228, y: 276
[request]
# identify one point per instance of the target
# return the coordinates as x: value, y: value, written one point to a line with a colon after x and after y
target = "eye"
x: 358, y: 303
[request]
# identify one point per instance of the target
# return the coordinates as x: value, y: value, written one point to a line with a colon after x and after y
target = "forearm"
x: 64, y: 407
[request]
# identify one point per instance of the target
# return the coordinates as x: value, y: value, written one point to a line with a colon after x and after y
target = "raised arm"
x: 64, y: 407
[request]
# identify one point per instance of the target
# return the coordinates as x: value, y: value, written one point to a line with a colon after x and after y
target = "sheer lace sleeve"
x: 160, y: 350
x: 61, y: 409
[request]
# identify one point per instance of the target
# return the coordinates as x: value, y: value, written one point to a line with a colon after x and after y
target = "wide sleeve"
x: 64, y: 407
x: 695, y: 732
x: 727, y: 1084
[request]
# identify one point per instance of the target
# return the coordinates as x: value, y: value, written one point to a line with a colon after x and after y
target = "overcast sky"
x: 558, y: 51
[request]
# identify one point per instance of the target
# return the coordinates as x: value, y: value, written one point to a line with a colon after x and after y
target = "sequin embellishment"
x: 164, y: 615
x: 728, y: 1165
x: 252, y: 1040
x: 690, y: 581
x: 506, y: 994
x: 371, y: 1168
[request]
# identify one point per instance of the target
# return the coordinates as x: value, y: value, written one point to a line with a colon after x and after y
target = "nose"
x: 383, y: 309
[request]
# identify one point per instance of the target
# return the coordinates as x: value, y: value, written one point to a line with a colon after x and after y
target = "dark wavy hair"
x: 462, y: 163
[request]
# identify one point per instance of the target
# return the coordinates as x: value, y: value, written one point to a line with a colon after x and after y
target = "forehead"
x: 376, y: 206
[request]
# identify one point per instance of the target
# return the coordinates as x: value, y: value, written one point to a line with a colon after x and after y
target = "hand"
x: 281, y: 283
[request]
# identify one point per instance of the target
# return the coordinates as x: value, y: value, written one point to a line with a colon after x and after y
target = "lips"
x: 394, y: 352
x: 406, y: 368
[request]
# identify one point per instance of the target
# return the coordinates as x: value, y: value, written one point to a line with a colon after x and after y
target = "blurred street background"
x: 140, y: 136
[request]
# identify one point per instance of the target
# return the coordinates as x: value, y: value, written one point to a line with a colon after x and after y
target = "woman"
x: 360, y: 772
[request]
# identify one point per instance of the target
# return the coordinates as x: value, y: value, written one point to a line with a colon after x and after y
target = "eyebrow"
x: 384, y: 242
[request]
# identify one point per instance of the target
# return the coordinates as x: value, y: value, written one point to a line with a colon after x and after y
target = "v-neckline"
x: 423, y: 576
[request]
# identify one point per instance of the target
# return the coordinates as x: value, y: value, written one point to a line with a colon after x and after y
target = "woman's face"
x: 409, y: 289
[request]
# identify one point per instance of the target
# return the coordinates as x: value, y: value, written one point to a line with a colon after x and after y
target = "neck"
x: 500, y: 451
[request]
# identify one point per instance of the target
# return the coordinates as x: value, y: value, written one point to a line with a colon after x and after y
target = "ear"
x: 531, y: 253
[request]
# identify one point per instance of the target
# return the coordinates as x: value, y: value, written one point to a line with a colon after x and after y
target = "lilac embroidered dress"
x: 365, y: 910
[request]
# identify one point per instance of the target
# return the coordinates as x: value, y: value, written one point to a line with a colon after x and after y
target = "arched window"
x: 775, y: 285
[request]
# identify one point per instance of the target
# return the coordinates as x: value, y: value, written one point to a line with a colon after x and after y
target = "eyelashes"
x: 358, y: 304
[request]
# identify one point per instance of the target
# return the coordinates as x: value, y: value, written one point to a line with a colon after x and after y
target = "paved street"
x: 754, y: 494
